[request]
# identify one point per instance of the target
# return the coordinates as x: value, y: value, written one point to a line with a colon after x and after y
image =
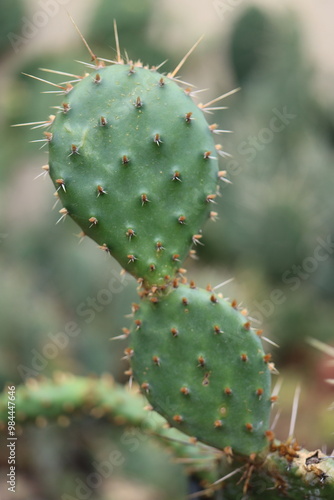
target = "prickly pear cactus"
x: 135, y: 165
x: 203, y: 368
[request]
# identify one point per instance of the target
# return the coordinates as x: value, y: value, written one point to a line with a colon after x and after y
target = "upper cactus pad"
x: 203, y: 368
x: 135, y: 165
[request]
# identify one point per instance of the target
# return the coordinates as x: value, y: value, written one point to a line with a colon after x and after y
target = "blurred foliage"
x: 12, y: 12
x: 270, y: 221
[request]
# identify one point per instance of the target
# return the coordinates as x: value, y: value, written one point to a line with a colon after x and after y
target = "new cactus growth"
x: 134, y: 164
x: 203, y: 368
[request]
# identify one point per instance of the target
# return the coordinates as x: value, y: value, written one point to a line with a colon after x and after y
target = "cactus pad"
x: 135, y: 165
x: 203, y: 368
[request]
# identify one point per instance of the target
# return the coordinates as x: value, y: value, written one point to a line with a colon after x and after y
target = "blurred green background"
x: 274, y: 232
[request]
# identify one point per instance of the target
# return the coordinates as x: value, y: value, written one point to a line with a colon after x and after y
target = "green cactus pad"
x: 203, y: 368
x: 135, y: 165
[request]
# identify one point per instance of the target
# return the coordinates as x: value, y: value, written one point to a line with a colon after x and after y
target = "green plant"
x: 194, y: 354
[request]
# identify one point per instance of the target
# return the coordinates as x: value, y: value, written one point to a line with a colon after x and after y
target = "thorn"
x: 223, y: 283
x: 103, y: 121
x: 152, y: 267
x: 130, y: 233
x: 97, y: 78
x: 218, y: 423
x: 145, y: 387
x: 61, y: 184
x: 162, y: 82
x: 131, y: 258
x: 157, y: 139
x: 178, y: 419
x: 64, y: 212
x: 211, y: 198
x: 138, y: 324
x: 213, y: 299
x: 174, y: 332
x: 189, y: 117
x: 154, y: 300
x: 131, y: 70
x: 228, y: 391
x: 249, y: 427
x: 184, y: 390
x: 81, y: 236
x: 159, y: 246
x: 294, y: 411
x: 176, y: 257
x: 175, y: 283
x: 60, y: 73
x: 125, y: 160
x: 217, y: 330
x: 185, y: 301
x: 104, y: 248
x: 223, y: 96
x: 156, y: 68
x: 207, y: 155
x: 182, y: 219
x: 101, y: 190
x: 45, y: 169
x: 44, y: 123
x: 259, y: 392
x: 270, y: 342
x: 138, y: 104
x: 48, y: 136
x: 156, y: 360
x: 176, y: 176
x: 267, y: 358
x: 273, y: 399
x: 244, y: 358
x: 44, y: 81
x: 74, y: 150
x: 118, y: 51
x: 247, y: 326
x: 192, y: 285
x: 128, y: 353
x: 201, y: 361
x: 91, y: 53
x: 183, y: 60
x: 144, y: 199
x: 213, y: 216
x: 221, y: 176
x: 196, y: 239
x: 93, y: 221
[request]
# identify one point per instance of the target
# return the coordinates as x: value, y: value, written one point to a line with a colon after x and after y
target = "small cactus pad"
x: 134, y: 163
x: 203, y: 368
